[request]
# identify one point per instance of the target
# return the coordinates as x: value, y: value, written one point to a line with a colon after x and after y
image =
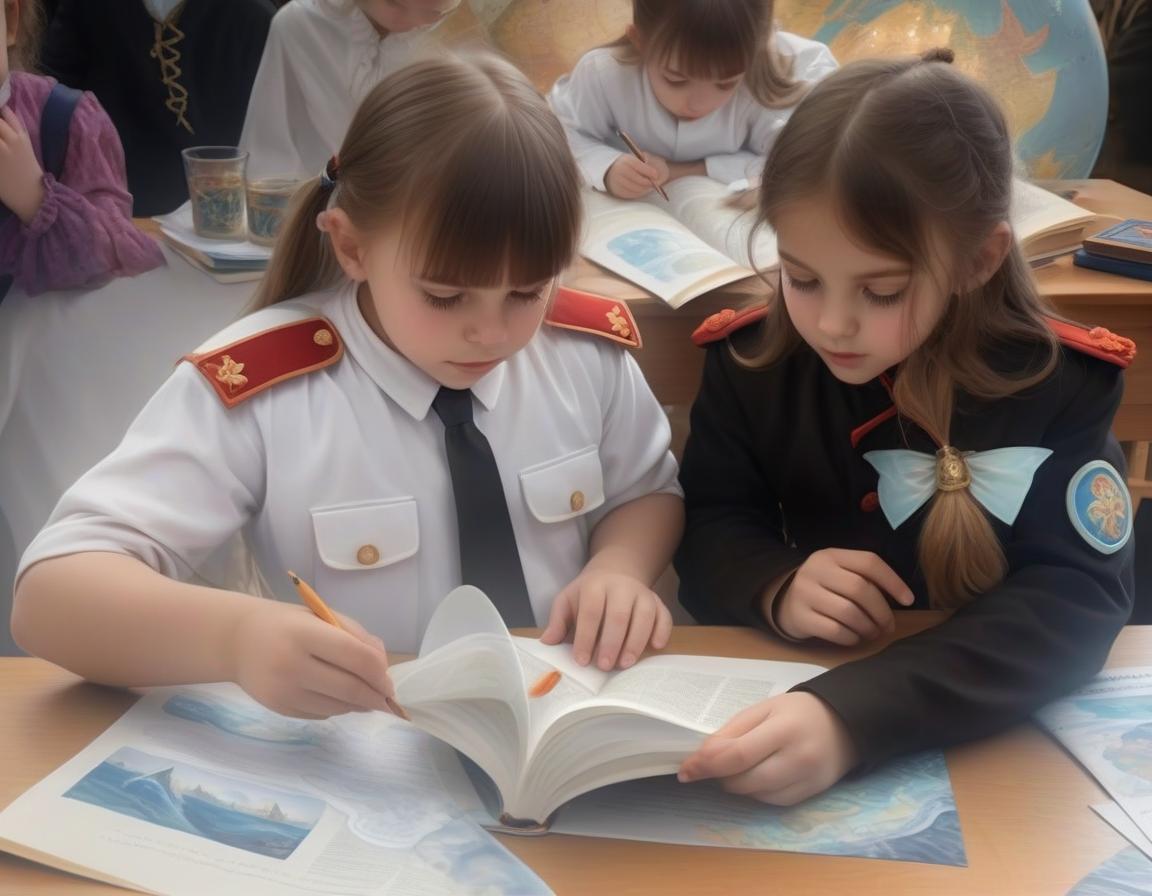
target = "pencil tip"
x: 295, y: 579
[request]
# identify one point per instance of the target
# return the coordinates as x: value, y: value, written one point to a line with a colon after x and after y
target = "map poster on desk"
x: 197, y: 791
x: 1107, y: 726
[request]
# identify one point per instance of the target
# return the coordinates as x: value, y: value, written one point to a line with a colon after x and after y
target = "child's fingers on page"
x: 618, y: 610
x: 771, y: 774
x: 741, y: 755
x: 662, y: 632
x: 640, y: 631
x: 589, y: 613
x: 339, y: 684
x: 561, y: 617
x: 794, y: 793
x: 741, y: 723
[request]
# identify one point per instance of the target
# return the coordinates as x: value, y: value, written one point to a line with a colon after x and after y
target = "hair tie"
x: 938, y: 54
x: 330, y: 174
x: 952, y: 473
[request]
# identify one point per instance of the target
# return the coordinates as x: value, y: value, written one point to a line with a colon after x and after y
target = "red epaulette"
x: 252, y: 364
x: 600, y: 316
x: 724, y: 323
x: 1095, y: 341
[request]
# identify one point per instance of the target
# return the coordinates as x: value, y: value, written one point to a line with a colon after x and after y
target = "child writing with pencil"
x: 414, y: 406
x: 698, y: 87
x: 906, y: 427
x: 65, y: 212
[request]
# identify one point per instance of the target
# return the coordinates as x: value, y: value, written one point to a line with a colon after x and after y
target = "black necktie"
x: 489, y: 558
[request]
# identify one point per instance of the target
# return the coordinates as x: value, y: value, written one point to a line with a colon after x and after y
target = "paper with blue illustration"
x: 592, y: 752
x: 201, y: 790
x: 1107, y: 726
x: 677, y: 248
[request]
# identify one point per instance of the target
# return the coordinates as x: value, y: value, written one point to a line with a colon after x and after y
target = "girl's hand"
x: 781, y: 751
x: 629, y: 178
x: 633, y: 617
x: 839, y: 596
x: 21, y: 185
x: 298, y: 665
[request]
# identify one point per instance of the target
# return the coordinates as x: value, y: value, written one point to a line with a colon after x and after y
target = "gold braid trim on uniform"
x: 165, y: 52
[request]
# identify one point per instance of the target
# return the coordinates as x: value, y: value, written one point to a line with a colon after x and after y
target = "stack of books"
x: 1124, y: 249
x: 223, y: 260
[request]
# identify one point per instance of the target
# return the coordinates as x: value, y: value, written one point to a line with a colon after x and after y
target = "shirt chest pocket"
x: 367, y: 535
x: 565, y: 487
x: 365, y: 564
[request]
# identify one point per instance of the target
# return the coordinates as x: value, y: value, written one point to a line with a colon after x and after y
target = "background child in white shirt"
x: 702, y: 87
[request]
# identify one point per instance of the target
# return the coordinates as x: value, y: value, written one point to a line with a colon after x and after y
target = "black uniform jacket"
x: 774, y: 471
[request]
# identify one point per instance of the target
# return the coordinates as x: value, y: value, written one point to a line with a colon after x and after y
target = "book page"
x: 700, y: 692
x: 701, y: 204
x: 904, y: 810
x: 648, y: 246
x: 1107, y: 726
x: 201, y: 790
x: 1045, y: 224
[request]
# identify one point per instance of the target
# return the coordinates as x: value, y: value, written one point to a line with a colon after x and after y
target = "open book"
x: 697, y: 241
x: 545, y: 729
x: 1045, y: 224
x: 677, y: 249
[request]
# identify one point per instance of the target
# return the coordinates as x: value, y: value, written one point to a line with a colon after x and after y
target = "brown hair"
x: 909, y: 149
x: 25, y: 53
x: 715, y: 39
x: 466, y: 157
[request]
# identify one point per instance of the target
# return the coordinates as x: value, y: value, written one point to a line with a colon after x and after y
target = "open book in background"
x: 679, y: 249
x: 545, y: 729
x: 1046, y: 225
x: 697, y: 241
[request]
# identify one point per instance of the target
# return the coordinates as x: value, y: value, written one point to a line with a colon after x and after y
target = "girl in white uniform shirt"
x: 701, y: 86
x: 311, y: 426
x: 321, y: 59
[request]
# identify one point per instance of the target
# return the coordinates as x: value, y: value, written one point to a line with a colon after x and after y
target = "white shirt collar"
x: 402, y: 381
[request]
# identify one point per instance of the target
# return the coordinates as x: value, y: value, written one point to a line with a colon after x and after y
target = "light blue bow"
x: 1001, y: 479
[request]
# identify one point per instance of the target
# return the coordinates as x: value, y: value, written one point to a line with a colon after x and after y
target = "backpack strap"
x: 55, y: 124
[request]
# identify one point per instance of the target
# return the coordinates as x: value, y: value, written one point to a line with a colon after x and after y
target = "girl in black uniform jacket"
x: 905, y: 428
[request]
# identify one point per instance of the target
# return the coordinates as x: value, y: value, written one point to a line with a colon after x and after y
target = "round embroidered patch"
x: 1099, y: 506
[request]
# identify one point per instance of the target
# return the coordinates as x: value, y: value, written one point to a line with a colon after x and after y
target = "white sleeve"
x: 635, y: 440
x: 580, y: 101
x: 187, y: 476
x: 278, y: 130
x: 811, y: 61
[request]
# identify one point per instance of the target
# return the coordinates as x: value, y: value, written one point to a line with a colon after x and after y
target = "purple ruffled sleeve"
x: 82, y: 235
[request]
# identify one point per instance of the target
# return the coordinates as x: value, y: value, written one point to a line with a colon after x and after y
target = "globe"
x: 1043, y: 59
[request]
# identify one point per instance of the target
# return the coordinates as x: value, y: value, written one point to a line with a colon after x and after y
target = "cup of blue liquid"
x: 216, y: 176
x: 268, y: 202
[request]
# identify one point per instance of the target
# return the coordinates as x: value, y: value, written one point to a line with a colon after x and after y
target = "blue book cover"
x: 1136, y: 269
x: 1130, y: 240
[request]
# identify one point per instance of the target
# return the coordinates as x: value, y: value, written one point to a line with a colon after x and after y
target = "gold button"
x: 368, y: 555
x: 323, y: 337
x: 576, y: 502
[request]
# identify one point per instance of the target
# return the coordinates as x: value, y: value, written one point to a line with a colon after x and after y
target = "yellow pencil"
x: 315, y: 603
x: 639, y: 153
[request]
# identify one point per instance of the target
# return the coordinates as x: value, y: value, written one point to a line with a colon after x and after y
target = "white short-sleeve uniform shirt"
x: 340, y: 474
x: 321, y: 59
x: 602, y: 94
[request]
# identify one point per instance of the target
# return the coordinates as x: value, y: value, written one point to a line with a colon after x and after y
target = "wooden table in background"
x: 672, y: 365
x: 1023, y: 803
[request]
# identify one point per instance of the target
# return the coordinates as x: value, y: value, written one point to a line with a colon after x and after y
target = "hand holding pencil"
x: 631, y: 177
x: 293, y: 666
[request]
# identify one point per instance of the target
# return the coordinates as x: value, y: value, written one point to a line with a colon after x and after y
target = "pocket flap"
x: 367, y: 535
x: 565, y: 487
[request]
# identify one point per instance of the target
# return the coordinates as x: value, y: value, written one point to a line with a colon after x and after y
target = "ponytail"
x: 303, y: 260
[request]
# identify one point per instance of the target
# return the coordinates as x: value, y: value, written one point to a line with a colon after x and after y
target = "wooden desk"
x: 1023, y: 803
x: 672, y: 365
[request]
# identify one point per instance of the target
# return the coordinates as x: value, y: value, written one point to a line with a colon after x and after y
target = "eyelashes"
x: 447, y: 303
x: 876, y: 298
